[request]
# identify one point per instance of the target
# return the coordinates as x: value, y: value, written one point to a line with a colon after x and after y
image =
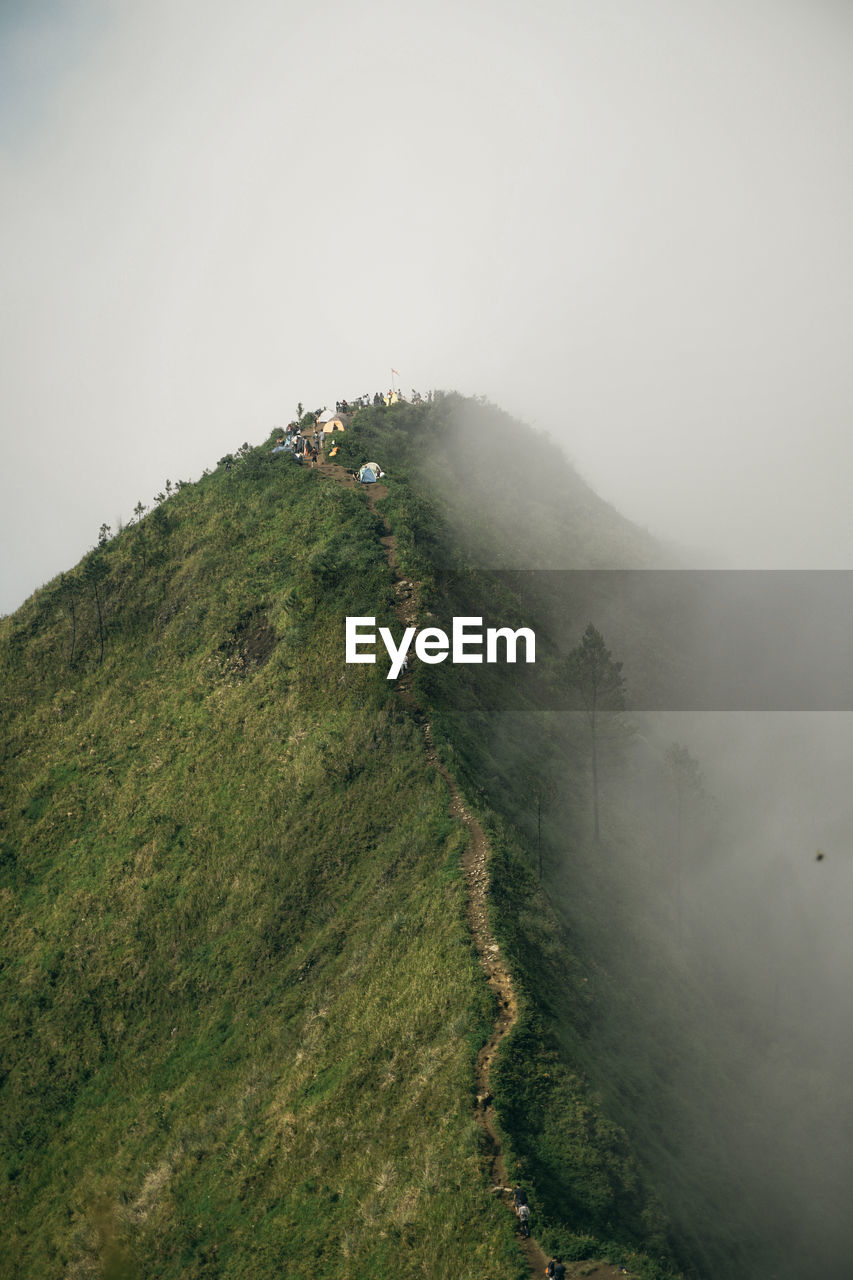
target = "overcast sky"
x: 628, y: 221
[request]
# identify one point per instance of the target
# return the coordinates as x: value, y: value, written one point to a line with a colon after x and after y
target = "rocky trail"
x: 475, y: 865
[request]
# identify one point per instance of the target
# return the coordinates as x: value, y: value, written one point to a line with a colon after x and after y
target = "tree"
x: 593, y: 672
x: 94, y: 572
x: 541, y: 791
x: 67, y: 584
x: 544, y: 790
x: 686, y: 778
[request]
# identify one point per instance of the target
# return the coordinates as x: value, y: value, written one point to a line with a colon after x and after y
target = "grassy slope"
x: 588, y: 1193
x: 627, y: 1026
x: 240, y: 998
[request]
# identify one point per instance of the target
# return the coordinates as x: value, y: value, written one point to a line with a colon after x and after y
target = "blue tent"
x: 367, y: 475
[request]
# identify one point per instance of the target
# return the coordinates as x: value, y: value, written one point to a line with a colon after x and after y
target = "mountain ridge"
x: 224, y: 860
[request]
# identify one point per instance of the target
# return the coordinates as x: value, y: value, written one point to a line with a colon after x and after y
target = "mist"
x: 713, y: 929
x: 761, y: 938
x: 716, y: 968
x: 628, y: 227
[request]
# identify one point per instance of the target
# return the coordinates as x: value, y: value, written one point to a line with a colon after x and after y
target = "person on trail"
x: 559, y: 1270
x: 549, y: 1270
x: 519, y: 1197
x: 524, y: 1218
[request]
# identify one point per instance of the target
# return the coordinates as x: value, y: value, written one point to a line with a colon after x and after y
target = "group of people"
x: 304, y: 447
x: 555, y: 1269
x: 522, y: 1209
x: 363, y: 402
x: 380, y: 398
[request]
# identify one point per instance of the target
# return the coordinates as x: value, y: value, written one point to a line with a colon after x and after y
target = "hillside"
x: 243, y: 1001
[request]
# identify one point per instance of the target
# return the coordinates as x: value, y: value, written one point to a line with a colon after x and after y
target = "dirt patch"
x: 252, y: 641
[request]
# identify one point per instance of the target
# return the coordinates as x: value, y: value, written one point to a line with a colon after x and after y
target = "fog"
x: 717, y: 970
x: 754, y: 1080
x: 627, y: 224
x: 716, y: 949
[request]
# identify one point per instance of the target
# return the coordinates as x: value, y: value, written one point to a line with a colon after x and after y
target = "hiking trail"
x: 475, y: 867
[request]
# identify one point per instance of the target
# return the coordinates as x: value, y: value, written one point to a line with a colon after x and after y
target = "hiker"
x: 524, y: 1218
x: 519, y: 1197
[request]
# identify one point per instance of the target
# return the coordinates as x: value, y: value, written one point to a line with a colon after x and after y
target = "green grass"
x: 241, y: 1003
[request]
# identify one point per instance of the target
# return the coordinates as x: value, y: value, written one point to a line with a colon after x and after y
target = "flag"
x: 397, y: 371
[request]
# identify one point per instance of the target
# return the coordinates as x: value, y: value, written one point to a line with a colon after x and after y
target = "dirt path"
x: 475, y: 866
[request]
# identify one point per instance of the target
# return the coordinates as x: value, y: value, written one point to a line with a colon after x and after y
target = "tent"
x: 331, y: 421
x: 368, y: 475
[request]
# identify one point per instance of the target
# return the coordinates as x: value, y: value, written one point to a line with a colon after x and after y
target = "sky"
x: 626, y: 221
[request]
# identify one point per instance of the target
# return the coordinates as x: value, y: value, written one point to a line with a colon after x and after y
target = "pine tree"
x: 593, y: 672
x: 686, y: 777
